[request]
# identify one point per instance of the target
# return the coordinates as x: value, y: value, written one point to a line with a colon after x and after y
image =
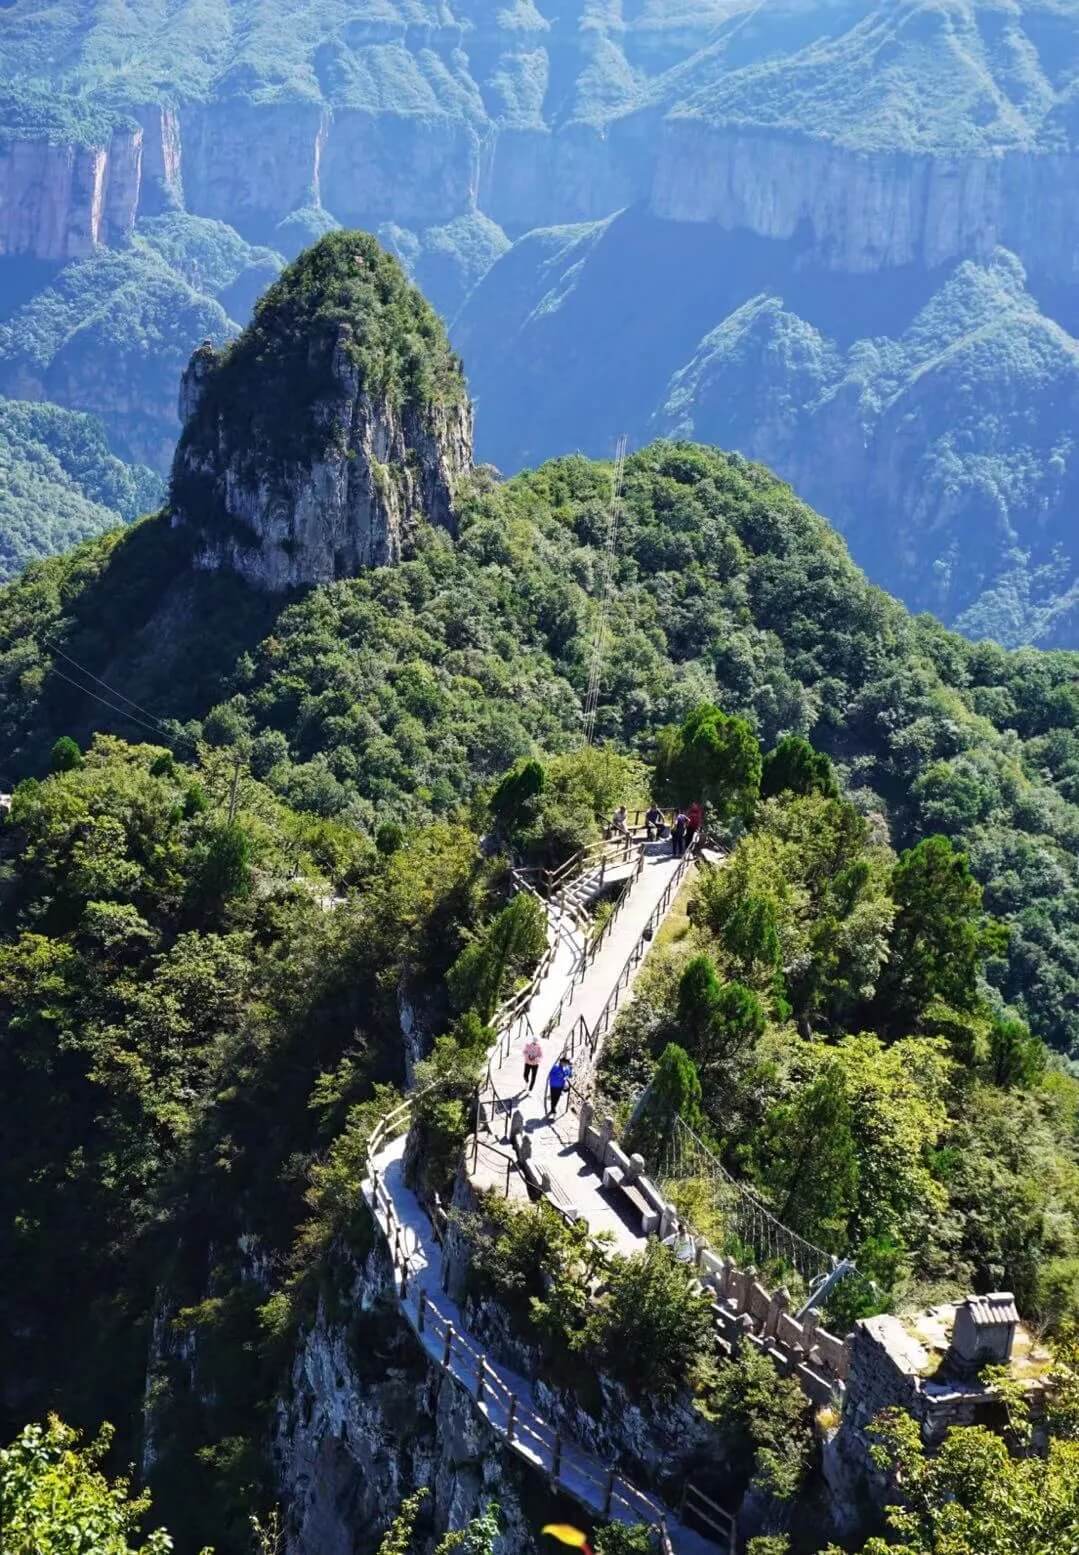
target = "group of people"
x: 558, y: 1079
x: 687, y: 823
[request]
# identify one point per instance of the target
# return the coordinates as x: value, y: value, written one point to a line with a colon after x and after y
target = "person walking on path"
x: 678, y: 835
x: 693, y: 823
x: 533, y: 1057
x: 557, y: 1080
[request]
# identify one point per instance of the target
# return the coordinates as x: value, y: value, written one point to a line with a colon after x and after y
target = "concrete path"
x: 574, y: 1181
x: 510, y: 1402
x: 440, y: 1327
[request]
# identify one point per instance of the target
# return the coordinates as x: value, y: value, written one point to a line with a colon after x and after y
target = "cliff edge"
x: 314, y: 444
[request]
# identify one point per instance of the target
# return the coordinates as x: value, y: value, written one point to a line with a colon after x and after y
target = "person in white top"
x: 533, y: 1056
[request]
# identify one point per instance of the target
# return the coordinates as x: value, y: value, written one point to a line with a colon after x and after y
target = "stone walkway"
x: 574, y: 1181
x: 507, y: 1400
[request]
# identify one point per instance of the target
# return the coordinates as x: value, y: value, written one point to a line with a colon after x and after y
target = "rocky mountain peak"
x: 315, y: 443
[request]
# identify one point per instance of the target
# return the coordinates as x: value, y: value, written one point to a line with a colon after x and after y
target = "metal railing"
x: 603, y: 1492
x: 587, y: 1041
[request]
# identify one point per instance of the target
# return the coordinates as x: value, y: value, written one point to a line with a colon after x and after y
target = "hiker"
x: 557, y: 1081
x: 533, y: 1057
x: 619, y: 823
x: 654, y: 821
x: 678, y: 835
x: 681, y: 1243
x: 693, y: 822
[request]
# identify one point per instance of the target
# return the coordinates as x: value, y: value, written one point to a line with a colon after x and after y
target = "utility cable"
x: 119, y: 695
x: 122, y: 712
x: 607, y: 577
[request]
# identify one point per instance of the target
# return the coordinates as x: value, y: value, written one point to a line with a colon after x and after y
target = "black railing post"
x: 609, y: 1495
x: 479, y: 1379
x: 448, y: 1348
x: 556, y: 1460
x: 421, y: 1311
x: 511, y: 1418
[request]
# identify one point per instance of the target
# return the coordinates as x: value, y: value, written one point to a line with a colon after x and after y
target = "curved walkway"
x: 557, y: 1001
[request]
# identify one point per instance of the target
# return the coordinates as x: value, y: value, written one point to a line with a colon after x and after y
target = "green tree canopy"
x: 972, y: 1495
x: 794, y: 767
x: 54, y: 1499
x: 713, y: 757
x: 675, y: 1092
x: 65, y: 755
x: 940, y: 936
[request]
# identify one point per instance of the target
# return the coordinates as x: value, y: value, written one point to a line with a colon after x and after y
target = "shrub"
x: 652, y: 1324
x: 510, y: 947
x: 675, y: 1092
x: 65, y: 756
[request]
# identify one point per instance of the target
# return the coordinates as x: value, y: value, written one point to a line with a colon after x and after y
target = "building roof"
x: 997, y: 1308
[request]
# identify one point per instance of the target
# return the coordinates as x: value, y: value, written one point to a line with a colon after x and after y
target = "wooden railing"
x: 510, y: 1412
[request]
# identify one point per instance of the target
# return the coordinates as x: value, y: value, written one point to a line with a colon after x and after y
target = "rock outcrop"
x: 862, y: 212
x: 61, y: 201
x: 316, y: 444
x: 367, y: 1420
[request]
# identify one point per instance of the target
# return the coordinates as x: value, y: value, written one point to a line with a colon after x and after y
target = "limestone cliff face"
x: 60, y: 202
x: 367, y: 1420
x: 299, y: 461
x: 161, y: 188
x: 861, y: 212
x: 250, y: 164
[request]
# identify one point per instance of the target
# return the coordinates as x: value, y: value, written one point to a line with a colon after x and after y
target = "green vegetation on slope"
x: 187, y: 1029
x: 392, y: 695
x: 825, y: 1023
x: 59, y: 483
x: 909, y: 76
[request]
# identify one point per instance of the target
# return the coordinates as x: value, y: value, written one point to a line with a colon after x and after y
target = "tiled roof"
x: 998, y: 1307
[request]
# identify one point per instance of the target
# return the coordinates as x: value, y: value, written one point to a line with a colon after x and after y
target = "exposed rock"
x: 162, y: 152
x: 250, y: 164
x: 863, y: 212
x: 368, y: 1420
x: 316, y: 445
x: 61, y: 201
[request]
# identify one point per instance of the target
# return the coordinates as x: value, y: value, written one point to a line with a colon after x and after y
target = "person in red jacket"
x: 693, y: 823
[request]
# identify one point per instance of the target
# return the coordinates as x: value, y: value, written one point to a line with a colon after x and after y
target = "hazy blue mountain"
x: 607, y: 185
x: 932, y: 420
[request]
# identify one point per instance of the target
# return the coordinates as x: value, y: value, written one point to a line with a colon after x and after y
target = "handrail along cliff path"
x: 569, y: 1004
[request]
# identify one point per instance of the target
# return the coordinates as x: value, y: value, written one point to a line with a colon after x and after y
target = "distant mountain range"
x: 840, y: 236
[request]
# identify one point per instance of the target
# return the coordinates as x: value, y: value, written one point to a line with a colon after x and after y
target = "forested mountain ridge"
x: 244, y: 886
x: 728, y: 589
x: 783, y: 155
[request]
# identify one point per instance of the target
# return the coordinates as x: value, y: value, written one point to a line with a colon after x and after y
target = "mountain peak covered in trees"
x: 315, y: 444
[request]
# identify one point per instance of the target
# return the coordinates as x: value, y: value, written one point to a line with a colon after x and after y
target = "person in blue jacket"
x: 559, y: 1077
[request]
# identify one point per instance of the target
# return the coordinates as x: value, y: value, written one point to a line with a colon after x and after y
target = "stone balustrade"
x: 744, y: 1310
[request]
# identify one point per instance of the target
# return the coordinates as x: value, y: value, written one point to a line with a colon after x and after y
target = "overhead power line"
x: 122, y: 712
x: 119, y: 695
